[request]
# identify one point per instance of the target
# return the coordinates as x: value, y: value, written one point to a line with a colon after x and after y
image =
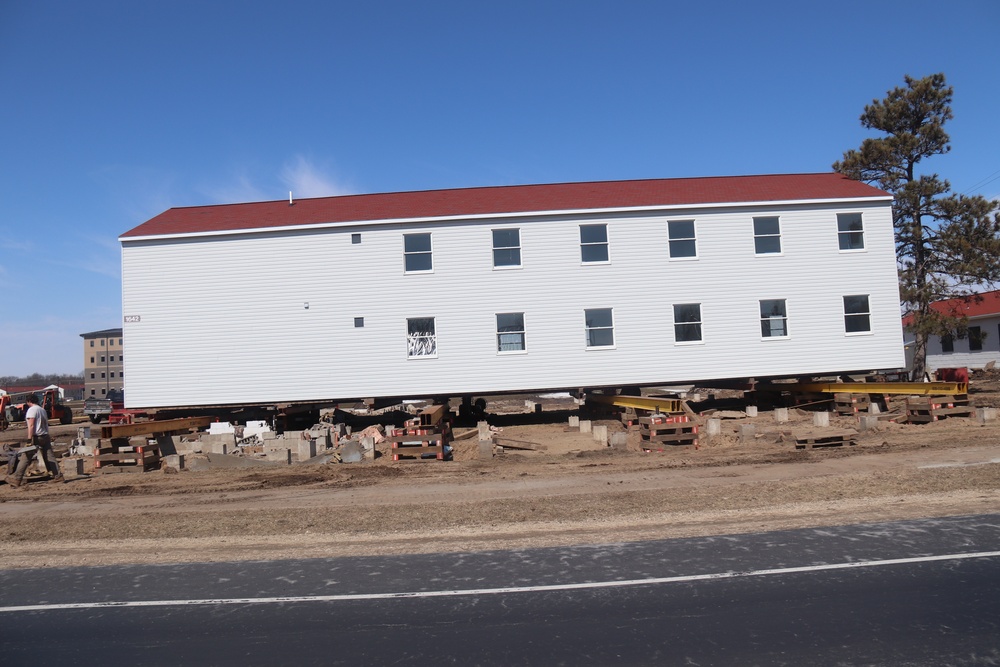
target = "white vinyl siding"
x: 227, y: 323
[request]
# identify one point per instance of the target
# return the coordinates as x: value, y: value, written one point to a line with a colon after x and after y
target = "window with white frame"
x: 417, y: 253
x: 600, y: 327
x: 682, y: 240
x: 850, y: 231
x: 976, y: 337
x: 506, y: 247
x: 421, y: 337
x: 857, y: 314
x: 687, y: 322
x: 594, y: 243
x: 510, y: 332
x: 766, y: 236
x: 773, y: 318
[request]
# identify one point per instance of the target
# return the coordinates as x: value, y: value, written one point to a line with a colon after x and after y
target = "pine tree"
x: 947, y: 245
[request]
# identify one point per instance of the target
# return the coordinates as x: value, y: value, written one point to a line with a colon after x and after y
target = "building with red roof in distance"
x: 981, y: 347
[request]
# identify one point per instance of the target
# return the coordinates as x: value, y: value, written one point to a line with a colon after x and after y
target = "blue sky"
x: 112, y: 112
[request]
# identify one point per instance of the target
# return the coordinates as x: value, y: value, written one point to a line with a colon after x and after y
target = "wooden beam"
x: 155, y: 427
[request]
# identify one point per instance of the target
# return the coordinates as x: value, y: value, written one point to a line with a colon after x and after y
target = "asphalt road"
x: 906, y: 593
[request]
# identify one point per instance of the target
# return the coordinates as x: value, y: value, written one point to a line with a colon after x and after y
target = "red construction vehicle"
x: 13, y: 407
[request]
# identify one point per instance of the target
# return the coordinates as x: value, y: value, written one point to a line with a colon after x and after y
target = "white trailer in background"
x: 510, y: 289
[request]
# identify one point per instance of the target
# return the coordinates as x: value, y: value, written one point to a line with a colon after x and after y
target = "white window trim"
x: 694, y: 226
x: 871, y: 328
x: 586, y: 330
x: 756, y: 236
x: 864, y: 234
x: 606, y: 243
x: 701, y: 321
x: 437, y: 345
x: 524, y: 334
x: 788, y: 317
x: 430, y: 252
x: 520, y: 251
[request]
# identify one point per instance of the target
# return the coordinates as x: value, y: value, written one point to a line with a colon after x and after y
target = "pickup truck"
x: 99, y: 409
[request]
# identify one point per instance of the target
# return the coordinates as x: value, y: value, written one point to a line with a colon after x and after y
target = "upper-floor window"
x: 510, y: 332
x: 506, y: 247
x: 421, y: 337
x: 91, y: 343
x: 857, y: 314
x: 773, y: 318
x: 594, y: 243
x: 600, y: 327
x: 91, y: 360
x: 687, y: 322
x: 417, y: 252
x: 102, y: 342
x: 102, y: 359
x: 766, y: 236
x: 850, y: 231
x: 975, y: 339
x: 682, y: 239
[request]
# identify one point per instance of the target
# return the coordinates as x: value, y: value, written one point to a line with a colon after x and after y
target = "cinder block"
x: 219, y: 447
x: 282, y: 454
x: 574, y: 421
x: 868, y: 422
x: 586, y: 426
x: 984, y: 415
x: 618, y: 440
x: 175, y: 461
x: 484, y: 431
x: 748, y: 432
x: 600, y: 433
x: 486, y: 449
x: 713, y: 427
x: 71, y: 467
x: 821, y: 419
x: 781, y: 415
x: 307, y: 449
x: 751, y: 411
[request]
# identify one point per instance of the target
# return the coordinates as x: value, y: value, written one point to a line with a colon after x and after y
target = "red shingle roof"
x: 970, y: 307
x: 504, y: 199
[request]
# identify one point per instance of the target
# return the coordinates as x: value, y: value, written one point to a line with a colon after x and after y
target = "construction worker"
x: 38, y: 430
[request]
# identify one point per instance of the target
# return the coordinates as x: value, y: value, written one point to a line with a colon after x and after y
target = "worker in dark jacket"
x: 38, y: 430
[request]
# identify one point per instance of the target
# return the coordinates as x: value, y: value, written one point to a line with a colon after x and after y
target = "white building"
x: 486, y: 290
x: 982, y: 343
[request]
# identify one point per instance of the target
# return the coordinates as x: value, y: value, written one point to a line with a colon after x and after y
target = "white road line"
x: 501, y: 591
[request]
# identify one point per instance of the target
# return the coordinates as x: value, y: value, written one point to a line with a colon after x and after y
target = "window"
x: 93, y: 392
x: 359, y: 322
x: 355, y: 239
x: 857, y: 314
x: 91, y: 343
x: 111, y: 358
x: 102, y: 342
x: 102, y: 375
x: 510, y: 332
x: 92, y: 360
x: 687, y: 322
x: 975, y: 339
x: 91, y: 376
x: 947, y: 343
x: 119, y: 341
x: 766, y: 236
x: 682, y: 241
x: 421, y: 337
x: 102, y: 359
x: 773, y: 318
x: 593, y: 243
x: 417, y: 252
x: 112, y: 373
x: 506, y: 247
x: 103, y: 391
x: 850, y: 231
x: 600, y: 327
x: 121, y: 375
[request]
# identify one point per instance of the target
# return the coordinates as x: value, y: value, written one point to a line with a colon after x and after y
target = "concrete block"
x: 219, y: 447
x: 306, y: 449
x: 574, y: 421
x: 713, y: 427
x: 351, y: 452
x: 175, y: 461
x: 751, y: 411
x: 484, y: 431
x: 618, y: 440
x: 532, y: 406
x: 71, y: 467
x: 600, y: 433
x: 984, y: 415
x: 268, y: 435
x: 821, y: 419
x: 748, y: 433
x: 485, y: 449
x: 586, y: 426
x: 781, y: 415
x: 282, y: 454
x: 873, y: 408
x: 868, y: 423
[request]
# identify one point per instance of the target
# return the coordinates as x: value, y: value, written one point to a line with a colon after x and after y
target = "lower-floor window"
x: 975, y: 339
x: 600, y: 327
x: 510, y: 332
x: 421, y: 337
x: 947, y: 343
x: 773, y: 318
x: 687, y: 322
x: 857, y: 314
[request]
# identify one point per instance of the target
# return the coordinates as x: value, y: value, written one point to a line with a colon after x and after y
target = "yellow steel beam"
x: 638, y: 402
x: 903, y: 388
x: 154, y: 427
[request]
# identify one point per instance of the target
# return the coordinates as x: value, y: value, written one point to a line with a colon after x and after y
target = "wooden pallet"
x: 654, y: 436
x: 120, y: 455
x: 819, y: 440
x: 848, y: 405
x: 420, y: 442
x: 924, y: 410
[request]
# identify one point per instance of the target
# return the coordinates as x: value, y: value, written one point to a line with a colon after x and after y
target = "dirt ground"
x: 559, y: 487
